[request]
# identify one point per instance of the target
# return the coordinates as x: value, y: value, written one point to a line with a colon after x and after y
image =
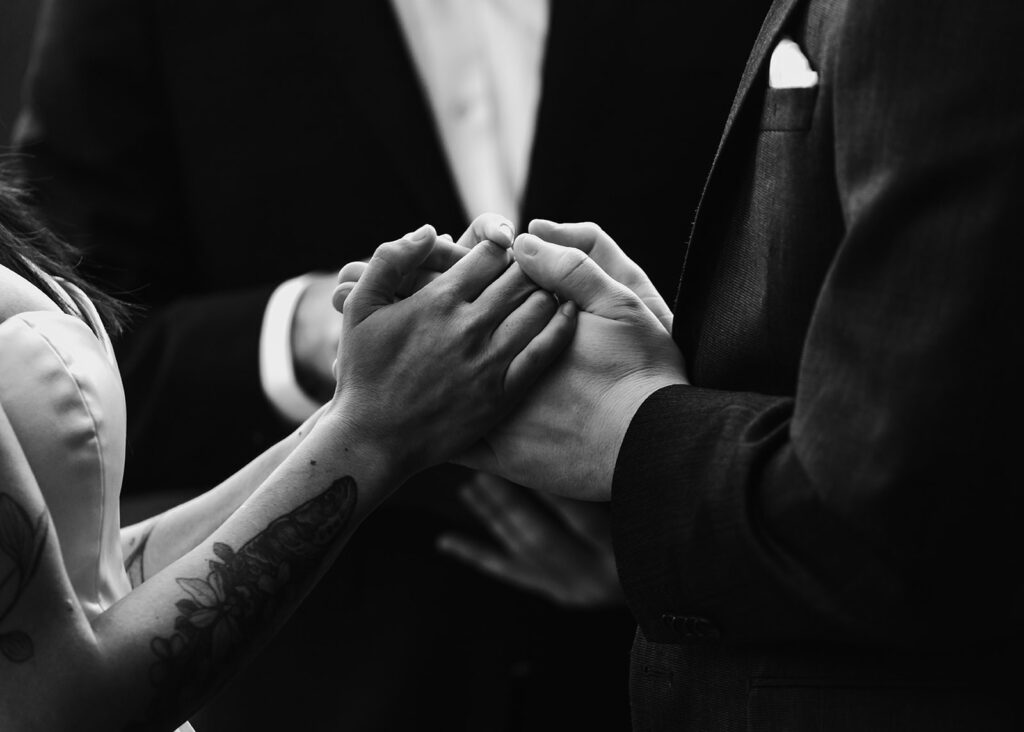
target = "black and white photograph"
x: 511, y: 365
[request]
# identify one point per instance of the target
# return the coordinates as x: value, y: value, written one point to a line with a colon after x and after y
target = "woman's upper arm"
x: 43, y: 631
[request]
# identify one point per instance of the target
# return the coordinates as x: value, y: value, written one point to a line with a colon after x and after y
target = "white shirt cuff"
x: 277, y: 372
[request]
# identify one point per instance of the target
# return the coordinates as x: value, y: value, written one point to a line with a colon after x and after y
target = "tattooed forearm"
x: 21, y: 546
x: 243, y: 592
x: 134, y: 563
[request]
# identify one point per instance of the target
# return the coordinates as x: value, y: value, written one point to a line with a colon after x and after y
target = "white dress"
x: 61, y: 389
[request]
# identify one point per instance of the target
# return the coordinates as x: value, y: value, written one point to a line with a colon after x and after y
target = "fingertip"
x: 421, y: 234
x: 421, y: 238
x: 504, y: 234
x: 340, y: 295
x: 568, y: 309
x: 452, y: 546
x: 351, y: 272
x: 538, y: 225
x: 526, y: 245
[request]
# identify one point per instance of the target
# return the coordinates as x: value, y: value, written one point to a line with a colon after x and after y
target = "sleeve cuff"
x: 277, y: 373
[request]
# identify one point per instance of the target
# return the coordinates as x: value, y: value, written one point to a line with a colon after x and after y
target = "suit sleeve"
x: 879, y: 503
x: 97, y: 144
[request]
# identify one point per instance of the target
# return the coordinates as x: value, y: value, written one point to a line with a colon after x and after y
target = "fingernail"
x: 418, y: 236
x: 506, y: 229
x: 568, y: 308
x: 527, y: 245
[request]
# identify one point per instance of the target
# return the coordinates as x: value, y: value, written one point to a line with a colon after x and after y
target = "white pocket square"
x: 789, y: 68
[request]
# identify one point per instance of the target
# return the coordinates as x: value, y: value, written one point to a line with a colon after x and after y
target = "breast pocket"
x: 788, y: 110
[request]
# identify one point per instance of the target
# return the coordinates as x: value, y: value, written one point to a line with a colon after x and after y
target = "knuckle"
x: 570, y: 257
x: 570, y: 262
x: 445, y: 297
x: 492, y: 251
x: 351, y: 271
x: 626, y: 300
x: 386, y: 253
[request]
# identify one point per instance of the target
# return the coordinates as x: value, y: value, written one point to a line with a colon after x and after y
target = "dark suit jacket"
x: 823, y: 532
x: 203, y: 151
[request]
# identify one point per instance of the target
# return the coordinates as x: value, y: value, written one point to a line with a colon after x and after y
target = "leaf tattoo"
x: 21, y: 546
x: 240, y: 596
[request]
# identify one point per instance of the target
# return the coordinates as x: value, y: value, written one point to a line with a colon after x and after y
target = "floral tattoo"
x: 21, y: 546
x: 240, y: 596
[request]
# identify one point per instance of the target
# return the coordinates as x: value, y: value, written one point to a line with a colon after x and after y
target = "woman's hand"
x: 446, y: 252
x: 426, y: 376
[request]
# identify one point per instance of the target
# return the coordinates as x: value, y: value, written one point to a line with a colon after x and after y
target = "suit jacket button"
x: 691, y: 627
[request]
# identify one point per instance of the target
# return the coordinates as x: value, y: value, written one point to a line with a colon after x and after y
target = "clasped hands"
x: 564, y: 436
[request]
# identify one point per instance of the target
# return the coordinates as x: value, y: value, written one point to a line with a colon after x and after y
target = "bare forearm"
x: 167, y: 646
x: 151, y: 545
x: 156, y: 655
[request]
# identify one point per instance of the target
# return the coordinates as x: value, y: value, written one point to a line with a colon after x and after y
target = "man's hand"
x: 556, y: 547
x: 591, y: 239
x: 566, y: 436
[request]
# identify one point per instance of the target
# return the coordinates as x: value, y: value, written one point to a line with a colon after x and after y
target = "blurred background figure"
x: 218, y: 160
x: 17, y: 19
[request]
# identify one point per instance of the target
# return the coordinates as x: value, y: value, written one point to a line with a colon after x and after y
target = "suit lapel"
x: 380, y: 76
x: 752, y: 78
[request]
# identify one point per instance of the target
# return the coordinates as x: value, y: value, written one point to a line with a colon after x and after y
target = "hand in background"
x: 565, y: 436
x: 555, y: 547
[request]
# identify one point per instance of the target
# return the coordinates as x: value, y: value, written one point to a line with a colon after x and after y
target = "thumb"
x: 572, y: 275
x: 593, y: 240
x: 583, y: 236
x: 388, y: 266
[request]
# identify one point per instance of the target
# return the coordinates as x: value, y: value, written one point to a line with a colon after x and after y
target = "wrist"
x: 363, y: 448
x: 624, y: 400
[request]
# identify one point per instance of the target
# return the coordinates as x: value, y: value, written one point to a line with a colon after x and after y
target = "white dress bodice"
x: 61, y: 389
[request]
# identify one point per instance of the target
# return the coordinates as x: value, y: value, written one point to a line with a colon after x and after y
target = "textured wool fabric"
x: 831, y: 506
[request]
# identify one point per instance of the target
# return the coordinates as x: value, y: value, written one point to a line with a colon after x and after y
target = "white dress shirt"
x: 480, y: 64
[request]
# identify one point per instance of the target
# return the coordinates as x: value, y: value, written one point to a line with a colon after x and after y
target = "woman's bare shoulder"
x: 18, y: 295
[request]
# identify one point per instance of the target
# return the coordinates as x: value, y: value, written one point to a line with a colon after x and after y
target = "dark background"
x: 17, y: 19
